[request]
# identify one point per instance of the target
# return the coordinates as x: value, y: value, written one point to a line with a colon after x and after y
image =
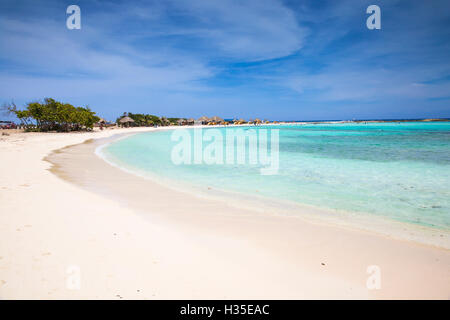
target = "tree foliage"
x: 52, y: 115
x: 143, y: 120
x: 173, y: 121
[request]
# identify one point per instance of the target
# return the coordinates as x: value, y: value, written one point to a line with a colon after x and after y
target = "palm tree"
x: 164, y: 121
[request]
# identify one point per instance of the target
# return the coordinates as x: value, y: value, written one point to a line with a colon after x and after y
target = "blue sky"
x: 269, y: 59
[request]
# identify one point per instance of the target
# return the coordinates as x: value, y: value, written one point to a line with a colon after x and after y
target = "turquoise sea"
x: 396, y: 170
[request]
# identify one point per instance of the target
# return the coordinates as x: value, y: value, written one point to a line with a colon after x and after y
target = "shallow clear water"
x: 396, y: 170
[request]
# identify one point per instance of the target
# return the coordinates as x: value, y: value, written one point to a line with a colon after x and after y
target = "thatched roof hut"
x: 203, y: 119
x: 190, y: 121
x: 181, y: 122
x: 217, y: 119
x: 100, y: 122
x: 125, y: 121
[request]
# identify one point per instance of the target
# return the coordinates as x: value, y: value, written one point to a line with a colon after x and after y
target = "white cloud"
x: 248, y: 30
x: 366, y: 85
x: 42, y: 51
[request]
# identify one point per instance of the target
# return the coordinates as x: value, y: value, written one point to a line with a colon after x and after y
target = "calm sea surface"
x: 396, y: 170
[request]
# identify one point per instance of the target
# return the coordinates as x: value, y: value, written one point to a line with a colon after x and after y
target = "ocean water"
x: 396, y: 170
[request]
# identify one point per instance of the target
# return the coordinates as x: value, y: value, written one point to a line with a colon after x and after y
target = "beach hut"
x: 203, y: 120
x: 126, y: 121
x: 257, y: 121
x: 181, y: 122
x: 100, y: 122
x: 190, y: 121
x: 217, y: 119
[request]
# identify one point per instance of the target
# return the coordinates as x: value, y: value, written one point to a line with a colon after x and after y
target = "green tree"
x: 54, y: 115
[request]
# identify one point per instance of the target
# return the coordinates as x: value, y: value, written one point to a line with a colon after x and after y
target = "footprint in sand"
x: 46, y: 253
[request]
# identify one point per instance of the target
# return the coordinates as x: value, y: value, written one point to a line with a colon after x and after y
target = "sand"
x: 82, y: 229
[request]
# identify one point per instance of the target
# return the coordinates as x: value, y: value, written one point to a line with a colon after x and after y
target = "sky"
x: 268, y: 59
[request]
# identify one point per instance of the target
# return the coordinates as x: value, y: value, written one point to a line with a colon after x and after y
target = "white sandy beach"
x: 135, y: 239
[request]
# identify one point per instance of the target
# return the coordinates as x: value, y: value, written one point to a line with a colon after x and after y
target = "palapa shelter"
x: 190, y: 121
x: 217, y: 119
x: 126, y: 121
x: 204, y: 119
x: 100, y: 122
x: 181, y: 122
